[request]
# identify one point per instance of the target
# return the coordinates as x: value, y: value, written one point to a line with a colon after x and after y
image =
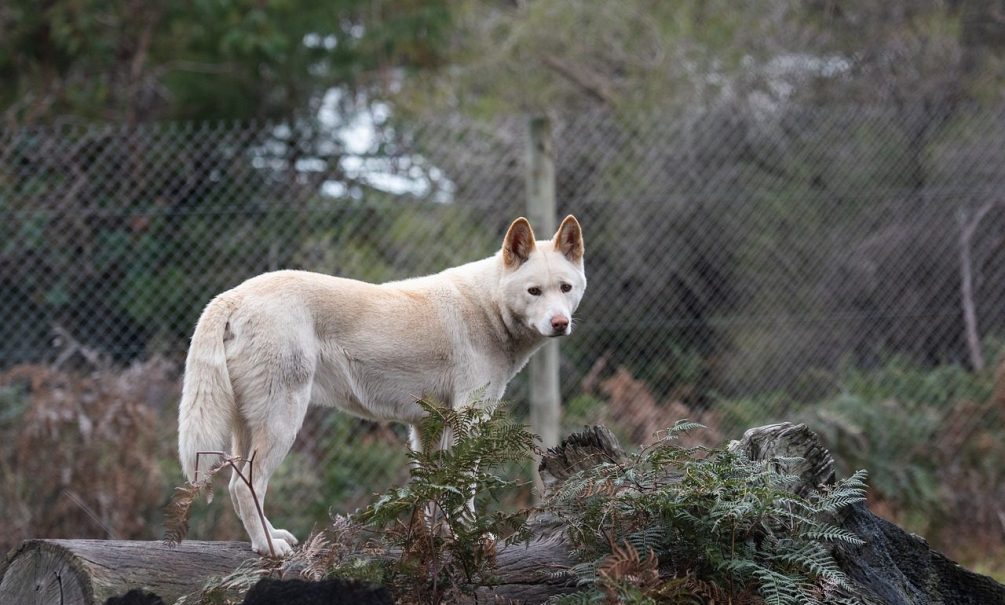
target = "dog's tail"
x: 208, y: 407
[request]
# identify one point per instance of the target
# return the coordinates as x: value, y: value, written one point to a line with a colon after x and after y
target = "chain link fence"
x: 837, y: 266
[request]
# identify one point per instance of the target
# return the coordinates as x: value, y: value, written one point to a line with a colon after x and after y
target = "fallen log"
x: 88, y: 572
x: 530, y: 573
x: 893, y: 567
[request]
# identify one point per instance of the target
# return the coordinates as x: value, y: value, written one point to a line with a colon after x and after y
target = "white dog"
x: 265, y: 350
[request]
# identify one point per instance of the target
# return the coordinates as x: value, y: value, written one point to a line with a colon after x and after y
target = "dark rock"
x: 136, y: 597
x: 326, y: 592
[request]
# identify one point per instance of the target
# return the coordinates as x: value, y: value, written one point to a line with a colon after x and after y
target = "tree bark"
x: 807, y: 458
x: 530, y: 573
x: 88, y: 572
x: 968, y: 298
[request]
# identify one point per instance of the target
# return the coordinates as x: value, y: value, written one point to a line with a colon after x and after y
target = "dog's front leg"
x: 433, y: 517
x: 469, y: 515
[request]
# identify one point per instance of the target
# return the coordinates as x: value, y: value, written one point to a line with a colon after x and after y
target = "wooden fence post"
x: 545, y: 401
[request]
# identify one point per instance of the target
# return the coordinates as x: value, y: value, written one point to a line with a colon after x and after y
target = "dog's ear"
x: 569, y: 239
x: 518, y: 243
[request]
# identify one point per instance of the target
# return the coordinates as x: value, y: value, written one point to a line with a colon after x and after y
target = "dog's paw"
x: 281, y: 547
x: 282, y: 534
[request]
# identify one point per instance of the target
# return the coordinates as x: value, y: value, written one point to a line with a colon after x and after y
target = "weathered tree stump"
x: 578, y: 452
x: 893, y: 567
x: 899, y: 568
x: 530, y: 573
x: 88, y: 572
x: 806, y: 456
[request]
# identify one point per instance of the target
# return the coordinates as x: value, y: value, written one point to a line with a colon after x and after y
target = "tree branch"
x: 591, y: 83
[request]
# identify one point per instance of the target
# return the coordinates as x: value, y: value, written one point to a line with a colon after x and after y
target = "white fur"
x: 265, y: 350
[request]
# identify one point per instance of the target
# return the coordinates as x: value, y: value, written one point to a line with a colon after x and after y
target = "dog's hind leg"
x: 271, y: 429
x: 241, y: 448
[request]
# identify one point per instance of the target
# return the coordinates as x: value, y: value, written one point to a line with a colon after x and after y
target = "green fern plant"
x: 703, y: 518
x: 446, y: 546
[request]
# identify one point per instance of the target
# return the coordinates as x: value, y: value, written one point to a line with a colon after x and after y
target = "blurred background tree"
x: 761, y: 82
x: 641, y: 55
x: 127, y: 60
x: 786, y: 90
x: 131, y: 60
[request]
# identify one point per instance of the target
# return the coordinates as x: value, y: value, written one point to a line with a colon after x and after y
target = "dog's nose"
x: 559, y: 323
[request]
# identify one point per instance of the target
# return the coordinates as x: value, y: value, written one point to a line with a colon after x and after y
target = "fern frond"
x: 179, y: 508
x: 844, y: 493
x: 585, y: 572
x: 577, y: 598
x: 680, y: 427
x: 774, y: 587
x: 649, y: 538
x: 812, y: 557
x: 832, y: 533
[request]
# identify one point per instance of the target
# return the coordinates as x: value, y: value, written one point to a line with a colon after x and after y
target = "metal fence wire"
x: 838, y: 266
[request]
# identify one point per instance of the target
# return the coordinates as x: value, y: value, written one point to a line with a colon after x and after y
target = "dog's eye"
x: 566, y: 287
x: 535, y: 291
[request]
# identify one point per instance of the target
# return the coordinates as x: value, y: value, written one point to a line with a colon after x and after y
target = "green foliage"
x: 377, y: 243
x: 930, y: 437
x: 580, y: 410
x: 128, y: 59
x: 384, y: 465
x: 147, y: 270
x: 712, y: 515
x: 738, y: 414
x: 908, y: 464
x: 13, y: 404
x: 918, y: 387
x: 445, y: 545
x: 904, y: 468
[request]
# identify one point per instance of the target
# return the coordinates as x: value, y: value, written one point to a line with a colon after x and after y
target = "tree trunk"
x: 531, y: 573
x: 968, y: 298
x: 88, y: 572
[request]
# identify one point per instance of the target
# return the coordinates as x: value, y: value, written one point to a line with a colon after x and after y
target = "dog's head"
x: 543, y: 281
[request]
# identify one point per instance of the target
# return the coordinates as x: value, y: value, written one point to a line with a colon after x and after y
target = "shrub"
x: 930, y: 438
x: 80, y: 456
x: 675, y: 523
